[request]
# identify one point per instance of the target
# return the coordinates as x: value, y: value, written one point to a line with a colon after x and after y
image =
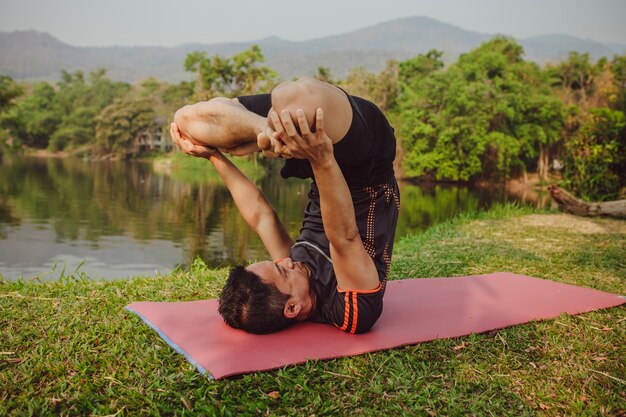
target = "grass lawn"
x: 199, y: 170
x: 69, y: 348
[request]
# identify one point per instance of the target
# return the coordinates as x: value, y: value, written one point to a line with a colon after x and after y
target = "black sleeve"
x: 356, y: 311
x: 259, y: 103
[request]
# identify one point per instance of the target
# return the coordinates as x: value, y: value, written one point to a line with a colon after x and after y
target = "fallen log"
x: 571, y: 204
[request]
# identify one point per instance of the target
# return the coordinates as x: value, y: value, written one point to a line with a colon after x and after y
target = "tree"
x: 33, y: 120
x: 382, y: 88
x: 122, y: 122
x: 575, y: 76
x: 594, y: 142
x: 80, y: 100
x: 490, y: 114
x: 323, y: 74
x: 8, y: 92
x: 595, y: 162
x: 230, y: 77
x: 176, y: 96
x: 618, y: 69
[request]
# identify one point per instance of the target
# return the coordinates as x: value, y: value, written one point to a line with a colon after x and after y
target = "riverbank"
x: 69, y: 348
x: 181, y: 166
x: 529, y: 188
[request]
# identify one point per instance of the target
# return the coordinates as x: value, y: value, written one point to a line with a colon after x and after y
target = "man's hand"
x: 271, y: 146
x: 188, y: 147
x: 316, y: 146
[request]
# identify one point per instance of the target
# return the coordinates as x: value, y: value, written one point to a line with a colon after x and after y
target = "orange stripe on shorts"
x: 346, y: 314
x: 355, y: 312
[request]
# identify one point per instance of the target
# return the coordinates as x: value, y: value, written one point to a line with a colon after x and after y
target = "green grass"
x: 69, y: 348
x: 198, y: 170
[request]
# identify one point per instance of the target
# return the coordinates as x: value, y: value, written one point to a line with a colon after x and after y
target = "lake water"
x: 116, y: 220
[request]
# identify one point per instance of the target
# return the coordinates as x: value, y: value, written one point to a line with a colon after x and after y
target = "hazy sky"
x: 169, y: 23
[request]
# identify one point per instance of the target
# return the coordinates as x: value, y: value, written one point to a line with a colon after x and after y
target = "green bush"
x: 595, y: 165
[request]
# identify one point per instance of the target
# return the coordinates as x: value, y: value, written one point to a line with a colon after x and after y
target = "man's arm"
x: 353, y: 267
x: 252, y: 204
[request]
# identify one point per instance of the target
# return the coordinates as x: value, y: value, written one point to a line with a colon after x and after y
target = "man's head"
x: 265, y: 297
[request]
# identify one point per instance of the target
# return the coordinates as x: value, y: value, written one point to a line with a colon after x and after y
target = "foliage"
x: 178, y: 95
x: 62, y: 116
x: 323, y: 74
x: 121, y: 123
x: 618, y: 70
x: 596, y: 156
x: 32, y: 120
x: 240, y: 74
x: 382, y: 88
x: 490, y: 115
x: 594, y: 152
x: 80, y: 101
x: 487, y: 115
x: 575, y: 75
x: 9, y: 90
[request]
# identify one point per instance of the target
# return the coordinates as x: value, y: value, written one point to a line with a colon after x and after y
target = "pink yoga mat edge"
x: 483, y: 307
x: 170, y: 342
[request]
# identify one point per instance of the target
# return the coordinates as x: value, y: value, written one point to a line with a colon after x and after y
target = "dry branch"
x: 571, y: 204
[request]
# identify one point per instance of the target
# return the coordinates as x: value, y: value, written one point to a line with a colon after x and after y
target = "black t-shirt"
x: 365, y: 154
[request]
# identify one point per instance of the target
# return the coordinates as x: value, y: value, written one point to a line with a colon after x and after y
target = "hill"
x: 35, y: 55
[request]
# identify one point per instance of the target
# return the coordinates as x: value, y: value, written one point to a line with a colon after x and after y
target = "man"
x: 336, y: 271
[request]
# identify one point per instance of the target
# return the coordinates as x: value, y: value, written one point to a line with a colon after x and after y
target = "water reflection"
x: 123, y: 219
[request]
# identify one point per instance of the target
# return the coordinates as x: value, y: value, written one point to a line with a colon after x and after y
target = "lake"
x: 114, y: 220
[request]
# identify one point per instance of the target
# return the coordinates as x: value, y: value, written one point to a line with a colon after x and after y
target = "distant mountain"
x: 550, y: 48
x: 39, y: 56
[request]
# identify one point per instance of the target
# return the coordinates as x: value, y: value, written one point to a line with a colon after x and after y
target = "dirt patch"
x: 574, y: 224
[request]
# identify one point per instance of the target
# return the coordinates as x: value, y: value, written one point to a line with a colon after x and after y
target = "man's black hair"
x: 250, y: 304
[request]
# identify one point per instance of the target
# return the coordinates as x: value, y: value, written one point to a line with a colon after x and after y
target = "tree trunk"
x: 571, y: 204
x: 543, y: 164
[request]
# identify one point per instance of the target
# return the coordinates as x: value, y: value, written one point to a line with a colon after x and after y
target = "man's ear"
x: 291, y: 310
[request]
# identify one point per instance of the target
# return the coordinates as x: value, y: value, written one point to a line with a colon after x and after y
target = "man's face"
x: 286, y: 274
x: 289, y: 277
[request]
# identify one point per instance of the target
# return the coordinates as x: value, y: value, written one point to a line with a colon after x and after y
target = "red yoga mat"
x: 415, y: 310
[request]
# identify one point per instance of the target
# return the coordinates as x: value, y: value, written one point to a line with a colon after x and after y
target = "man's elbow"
x: 344, y: 238
x: 263, y: 218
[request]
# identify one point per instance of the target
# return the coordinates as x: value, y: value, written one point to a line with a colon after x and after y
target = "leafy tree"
x: 413, y: 71
x: 76, y: 128
x: 323, y: 74
x: 120, y: 124
x: 618, y: 69
x: 150, y: 87
x: 595, y: 162
x: 64, y: 116
x: 359, y: 82
x: 9, y: 91
x: 381, y: 88
x: 237, y: 75
x: 34, y: 119
x: 575, y: 76
x: 594, y: 142
x: 490, y: 114
x: 386, y: 89
x: 80, y: 101
x: 176, y: 96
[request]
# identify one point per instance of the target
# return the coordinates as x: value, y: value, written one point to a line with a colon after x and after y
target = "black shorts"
x: 376, y: 209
